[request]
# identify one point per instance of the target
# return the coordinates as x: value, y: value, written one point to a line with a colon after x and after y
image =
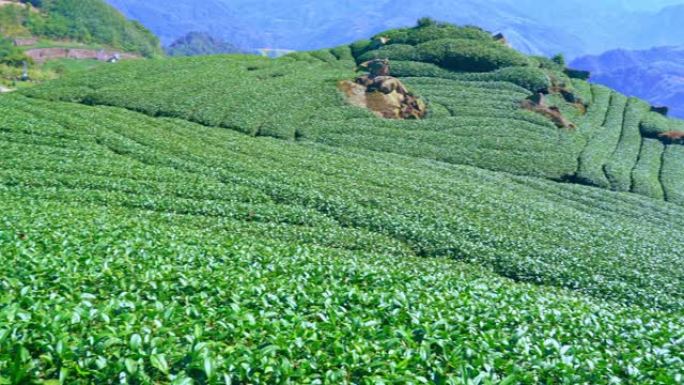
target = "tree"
x: 559, y: 59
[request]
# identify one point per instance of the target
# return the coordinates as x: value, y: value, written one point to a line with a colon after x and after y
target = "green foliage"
x: 9, y: 54
x: 531, y: 79
x: 398, y: 52
x: 13, y: 19
x: 435, y: 31
x: 546, y: 63
x: 655, y: 124
x: 343, y: 53
x: 603, y: 144
x: 619, y: 167
x: 324, y: 55
x: 91, y: 21
x: 470, y: 55
x: 197, y: 43
x: 559, y: 60
x: 646, y: 174
x: 360, y: 47
x: 673, y: 173
x: 577, y: 74
x: 426, y: 22
x: 157, y: 250
x: 140, y: 247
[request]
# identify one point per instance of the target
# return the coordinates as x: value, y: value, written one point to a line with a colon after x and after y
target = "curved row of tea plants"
x: 154, y: 250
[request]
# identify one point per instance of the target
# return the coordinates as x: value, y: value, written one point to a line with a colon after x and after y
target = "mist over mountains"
x: 656, y: 74
x: 568, y: 26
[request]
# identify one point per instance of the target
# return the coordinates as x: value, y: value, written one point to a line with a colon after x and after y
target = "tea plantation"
x: 475, y: 117
x: 231, y: 220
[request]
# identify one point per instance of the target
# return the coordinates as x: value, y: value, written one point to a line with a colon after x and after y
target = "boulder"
x: 672, y: 137
x: 384, y: 95
x: 537, y: 103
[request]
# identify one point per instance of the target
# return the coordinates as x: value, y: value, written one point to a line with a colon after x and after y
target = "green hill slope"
x: 85, y: 21
x: 145, y: 221
x: 476, y: 117
x: 232, y: 219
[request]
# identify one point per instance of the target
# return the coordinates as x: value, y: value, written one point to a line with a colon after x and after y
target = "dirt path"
x: 41, y: 55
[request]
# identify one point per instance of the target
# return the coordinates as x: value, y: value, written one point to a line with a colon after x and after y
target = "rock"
x: 537, y: 103
x: 500, y: 38
x: 4, y: 90
x: 384, y: 95
x: 672, y: 136
x: 377, y: 67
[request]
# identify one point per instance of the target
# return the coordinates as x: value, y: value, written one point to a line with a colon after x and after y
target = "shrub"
x: 559, y: 59
x: 470, y: 55
x: 343, y: 53
x: 436, y: 31
x: 577, y: 74
x: 546, y: 63
x: 402, y: 52
x: 532, y: 79
x: 654, y: 125
x: 360, y: 47
x: 9, y: 54
x: 426, y: 22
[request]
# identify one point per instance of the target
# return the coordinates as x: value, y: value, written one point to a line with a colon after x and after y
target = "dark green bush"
x: 401, y: 52
x: 470, y: 55
x: 532, y: 79
x: 578, y: 74
x: 343, y: 52
x: 654, y: 124
x: 9, y: 54
x: 358, y: 48
x: 418, y: 69
x: 418, y: 35
x: 529, y: 78
x: 546, y: 63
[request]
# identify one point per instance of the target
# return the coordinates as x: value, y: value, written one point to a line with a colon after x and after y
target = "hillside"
x: 656, y: 75
x: 476, y: 116
x: 83, y: 21
x: 567, y: 26
x: 198, y: 43
x: 233, y: 219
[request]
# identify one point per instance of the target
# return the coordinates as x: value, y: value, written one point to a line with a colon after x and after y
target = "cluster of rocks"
x: 383, y: 94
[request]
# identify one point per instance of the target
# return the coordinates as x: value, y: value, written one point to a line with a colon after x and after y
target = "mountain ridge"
x: 656, y: 74
x: 304, y: 26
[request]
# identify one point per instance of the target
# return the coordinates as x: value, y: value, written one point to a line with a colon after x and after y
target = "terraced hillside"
x: 476, y: 118
x: 160, y: 231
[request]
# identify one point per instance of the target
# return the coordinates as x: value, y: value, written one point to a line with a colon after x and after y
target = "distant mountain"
x: 574, y: 27
x: 656, y: 75
x: 172, y: 20
x: 200, y: 43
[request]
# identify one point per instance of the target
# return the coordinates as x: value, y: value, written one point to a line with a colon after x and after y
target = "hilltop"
x: 198, y: 43
x: 234, y: 219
